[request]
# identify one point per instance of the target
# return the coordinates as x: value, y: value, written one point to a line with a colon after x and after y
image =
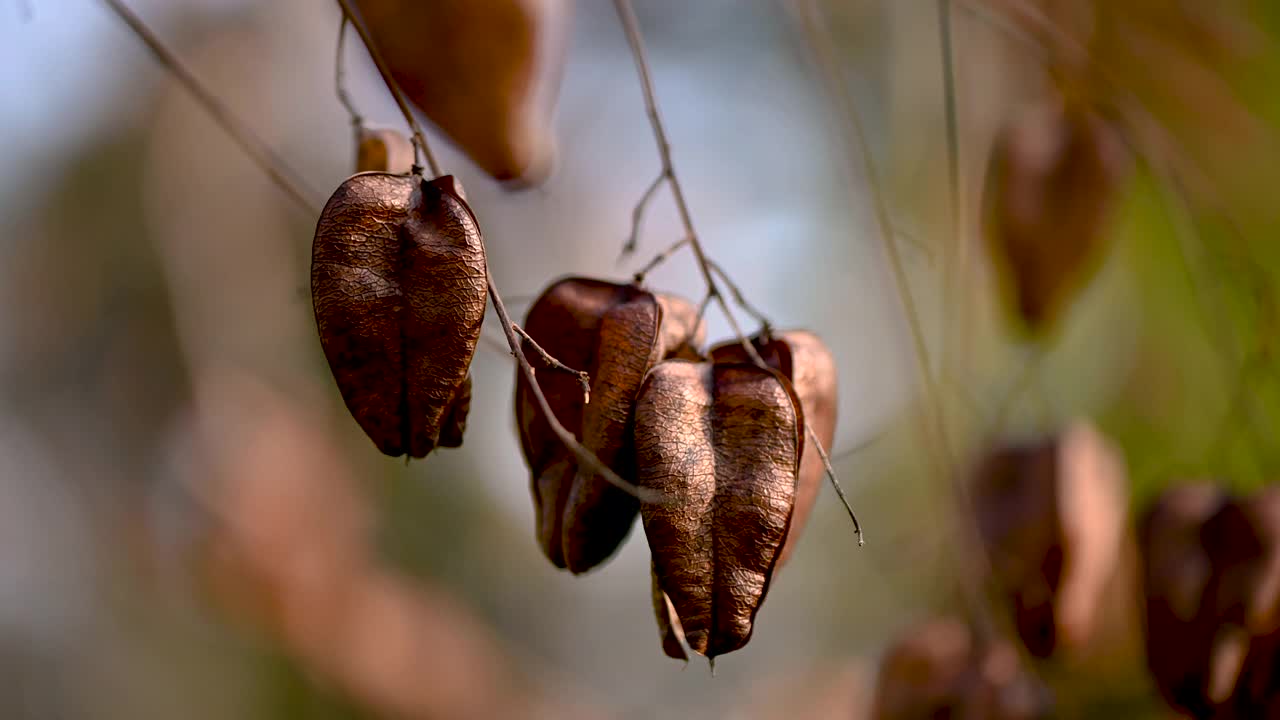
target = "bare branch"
x: 340, y: 76
x: 660, y: 258
x: 419, y: 138
x: 738, y: 298
x: 255, y: 147
x: 584, y: 378
x: 637, y: 215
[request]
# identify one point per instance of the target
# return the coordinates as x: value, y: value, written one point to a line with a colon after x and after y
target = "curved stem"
x: 419, y: 138
x: 340, y: 76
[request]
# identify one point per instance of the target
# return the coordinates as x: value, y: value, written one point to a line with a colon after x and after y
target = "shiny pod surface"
x: 398, y: 282
x: 722, y: 444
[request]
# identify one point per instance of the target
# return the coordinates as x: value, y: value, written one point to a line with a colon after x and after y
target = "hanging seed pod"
x: 803, y: 359
x: 1054, y: 178
x: 384, y: 150
x: 486, y: 72
x: 1052, y: 517
x: 722, y: 442
x: 936, y: 670
x: 668, y: 622
x: 1177, y: 571
x: 398, y: 282
x: 615, y: 333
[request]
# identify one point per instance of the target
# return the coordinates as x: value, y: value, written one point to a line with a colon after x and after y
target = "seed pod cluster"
x: 1052, y: 516
x: 720, y: 441
x: 1054, y: 177
x: 398, y: 283
x: 1211, y: 574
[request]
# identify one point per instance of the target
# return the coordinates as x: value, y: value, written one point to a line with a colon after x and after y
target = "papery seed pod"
x: 1052, y: 517
x: 398, y: 281
x: 486, y: 72
x: 615, y: 333
x: 1054, y: 178
x: 722, y: 444
x: 668, y: 622
x: 803, y: 359
x: 384, y: 150
x: 936, y: 670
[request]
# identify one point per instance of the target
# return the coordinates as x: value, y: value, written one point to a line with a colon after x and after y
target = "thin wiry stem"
x: 631, y: 25
x: 585, y: 457
x: 255, y: 147
x: 935, y: 429
x: 637, y: 215
x: 955, y: 263
x: 340, y: 76
x: 419, y: 138
x: 739, y: 298
x: 584, y: 378
x: 660, y: 258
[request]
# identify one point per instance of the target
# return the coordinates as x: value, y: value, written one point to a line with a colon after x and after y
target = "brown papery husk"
x: 1054, y: 178
x: 804, y: 359
x: 398, y: 283
x: 384, y: 150
x: 722, y: 444
x: 486, y: 72
x: 614, y: 332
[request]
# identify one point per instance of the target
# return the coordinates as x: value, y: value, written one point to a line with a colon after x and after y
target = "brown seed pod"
x: 668, y: 622
x: 722, y: 443
x: 1052, y: 516
x: 1054, y: 177
x: 615, y: 333
x: 486, y: 72
x: 937, y: 670
x: 803, y: 359
x: 398, y: 281
x: 1176, y: 569
x: 384, y: 150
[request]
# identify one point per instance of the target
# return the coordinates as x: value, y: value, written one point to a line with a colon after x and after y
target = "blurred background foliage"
x: 183, y: 501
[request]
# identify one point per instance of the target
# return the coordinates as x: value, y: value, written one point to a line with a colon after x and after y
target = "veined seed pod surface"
x: 486, y: 72
x: 615, y: 333
x: 384, y: 150
x: 398, y: 281
x: 803, y: 359
x: 722, y: 443
x: 1052, y: 515
x: 1055, y: 175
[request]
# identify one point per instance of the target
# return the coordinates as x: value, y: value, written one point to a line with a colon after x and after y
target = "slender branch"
x: 627, y: 16
x: 584, y: 378
x: 340, y: 76
x: 935, y: 426
x: 835, y: 483
x: 738, y: 298
x: 637, y: 215
x: 956, y: 255
x: 419, y: 138
x: 660, y: 258
x: 255, y: 147
x: 584, y: 456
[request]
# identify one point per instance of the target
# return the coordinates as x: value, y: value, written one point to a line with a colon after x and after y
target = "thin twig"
x: 627, y: 16
x: 255, y: 147
x: 340, y: 76
x: 935, y: 430
x: 584, y: 456
x: 955, y: 263
x: 831, y: 472
x: 419, y: 138
x: 738, y: 298
x: 660, y: 258
x: 637, y: 215
x: 584, y: 378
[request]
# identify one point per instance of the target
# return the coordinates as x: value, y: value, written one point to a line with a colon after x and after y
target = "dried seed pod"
x: 486, y: 72
x: 722, y: 442
x: 937, y: 670
x: 1052, y: 516
x: 398, y: 281
x: 1055, y: 174
x: 615, y: 333
x: 803, y: 359
x: 668, y: 622
x: 384, y: 150
x: 1176, y: 570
